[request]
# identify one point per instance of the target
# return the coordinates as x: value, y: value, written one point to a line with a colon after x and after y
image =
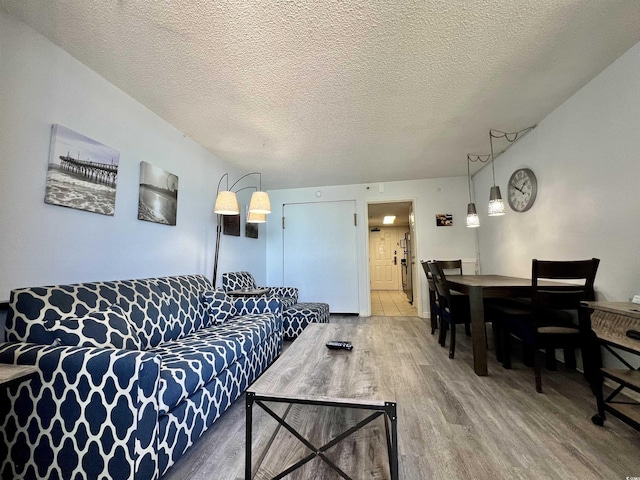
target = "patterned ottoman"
x: 296, y: 317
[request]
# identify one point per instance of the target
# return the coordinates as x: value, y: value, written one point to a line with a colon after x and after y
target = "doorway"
x: 391, y: 259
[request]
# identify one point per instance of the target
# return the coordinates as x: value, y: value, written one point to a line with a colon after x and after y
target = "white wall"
x: 41, y: 244
x: 586, y: 157
x: 444, y: 195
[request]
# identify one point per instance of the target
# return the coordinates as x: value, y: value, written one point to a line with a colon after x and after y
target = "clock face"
x: 523, y: 188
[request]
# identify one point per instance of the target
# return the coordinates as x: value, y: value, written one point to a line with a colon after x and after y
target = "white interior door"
x: 383, y: 259
x: 320, y: 253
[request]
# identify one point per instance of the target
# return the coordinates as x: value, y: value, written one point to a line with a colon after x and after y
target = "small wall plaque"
x: 444, y: 219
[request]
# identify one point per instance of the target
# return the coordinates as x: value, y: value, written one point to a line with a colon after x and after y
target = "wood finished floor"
x: 451, y: 425
x: 391, y: 303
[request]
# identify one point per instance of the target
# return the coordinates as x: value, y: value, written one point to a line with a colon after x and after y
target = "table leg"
x: 478, y: 331
x: 248, y: 426
x: 392, y: 438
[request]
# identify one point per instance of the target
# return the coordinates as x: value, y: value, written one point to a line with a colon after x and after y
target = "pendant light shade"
x: 226, y: 203
x: 260, y: 203
x: 256, y: 217
x: 473, y: 221
x: 496, y: 205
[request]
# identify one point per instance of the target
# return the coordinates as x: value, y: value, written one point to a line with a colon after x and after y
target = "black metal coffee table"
x: 310, y: 374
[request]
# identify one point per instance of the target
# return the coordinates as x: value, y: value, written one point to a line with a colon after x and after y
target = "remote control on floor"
x: 335, y: 345
x: 635, y: 334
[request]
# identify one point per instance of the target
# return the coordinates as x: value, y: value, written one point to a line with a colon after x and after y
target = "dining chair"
x: 434, y: 307
x: 454, y: 267
x: 451, y: 267
x: 454, y: 309
x: 552, y: 320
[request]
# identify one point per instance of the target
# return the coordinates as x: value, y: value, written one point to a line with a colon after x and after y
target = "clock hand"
x: 516, y: 187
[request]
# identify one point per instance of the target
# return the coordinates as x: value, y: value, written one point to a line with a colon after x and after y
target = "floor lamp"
x: 227, y: 204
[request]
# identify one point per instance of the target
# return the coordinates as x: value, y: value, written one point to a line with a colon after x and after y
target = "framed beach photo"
x: 158, y: 197
x: 82, y: 173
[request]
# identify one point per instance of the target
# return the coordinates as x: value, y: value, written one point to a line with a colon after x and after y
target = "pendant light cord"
x: 469, y: 179
x: 493, y: 170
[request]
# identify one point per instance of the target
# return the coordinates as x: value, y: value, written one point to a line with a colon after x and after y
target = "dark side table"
x: 13, y: 374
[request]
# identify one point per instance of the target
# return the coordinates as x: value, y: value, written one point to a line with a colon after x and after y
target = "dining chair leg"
x: 528, y: 355
x: 570, y: 358
x: 538, y: 374
x: 443, y: 332
x: 467, y: 329
x: 505, y: 339
x: 497, y: 340
x: 452, y: 341
x: 550, y: 359
x: 434, y: 323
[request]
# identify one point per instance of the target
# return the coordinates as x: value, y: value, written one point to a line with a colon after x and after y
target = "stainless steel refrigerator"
x: 407, y: 268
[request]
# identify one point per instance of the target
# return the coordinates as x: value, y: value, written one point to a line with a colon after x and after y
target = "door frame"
x: 417, y: 285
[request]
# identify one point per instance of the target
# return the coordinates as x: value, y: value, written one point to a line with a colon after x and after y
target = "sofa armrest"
x: 283, y: 292
x: 88, y: 412
x: 262, y: 304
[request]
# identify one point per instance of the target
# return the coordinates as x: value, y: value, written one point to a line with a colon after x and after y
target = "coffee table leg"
x: 392, y: 438
x: 249, y: 420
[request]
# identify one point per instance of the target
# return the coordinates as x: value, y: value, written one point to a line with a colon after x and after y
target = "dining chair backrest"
x: 451, y: 267
x: 440, y: 281
x: 581, y: 273
x: 427, y: 272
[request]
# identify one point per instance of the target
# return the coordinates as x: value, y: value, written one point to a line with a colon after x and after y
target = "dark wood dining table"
x: 479, y: 287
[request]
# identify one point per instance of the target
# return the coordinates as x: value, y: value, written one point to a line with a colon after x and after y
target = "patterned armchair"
x: 240, y: 280
x: 295, y: 315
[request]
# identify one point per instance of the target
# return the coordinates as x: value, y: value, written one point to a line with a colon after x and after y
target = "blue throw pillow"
x: 219, y: 305
x: 106, y: 328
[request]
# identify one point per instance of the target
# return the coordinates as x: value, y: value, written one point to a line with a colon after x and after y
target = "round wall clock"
x: 523, y: 188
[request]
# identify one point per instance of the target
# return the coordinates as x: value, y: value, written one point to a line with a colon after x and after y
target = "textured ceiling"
x: 327, y: 92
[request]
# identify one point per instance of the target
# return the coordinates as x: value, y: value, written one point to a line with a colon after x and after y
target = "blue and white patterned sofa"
x: 295, y: 316
x: 95, y: 411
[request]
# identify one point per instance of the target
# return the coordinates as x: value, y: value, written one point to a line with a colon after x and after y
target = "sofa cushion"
x: 149, y: 312
x: 287, y: 302
x: 105, y: 328
x: 193, y: 361
x: 219, y: 305
x: 188, y: 364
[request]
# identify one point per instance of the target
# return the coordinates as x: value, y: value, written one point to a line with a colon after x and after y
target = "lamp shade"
x: 226, y: 203
x: 260, y: 203
x: 472, y: 216
x: 256, y: 217
x: 496, y: 205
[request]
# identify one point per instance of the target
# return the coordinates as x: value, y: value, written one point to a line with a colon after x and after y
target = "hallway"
x: 391, y: 303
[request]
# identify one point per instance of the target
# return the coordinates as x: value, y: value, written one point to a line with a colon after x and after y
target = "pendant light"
x: 496, y: 205
x: 473, y: 221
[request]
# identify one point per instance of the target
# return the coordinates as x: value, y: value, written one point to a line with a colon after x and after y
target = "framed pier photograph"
x: 82, y: 173
x: 158, y: 199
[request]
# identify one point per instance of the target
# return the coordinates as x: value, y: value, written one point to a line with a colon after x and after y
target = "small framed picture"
x: 444, y: 220
x: 231, y: 225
